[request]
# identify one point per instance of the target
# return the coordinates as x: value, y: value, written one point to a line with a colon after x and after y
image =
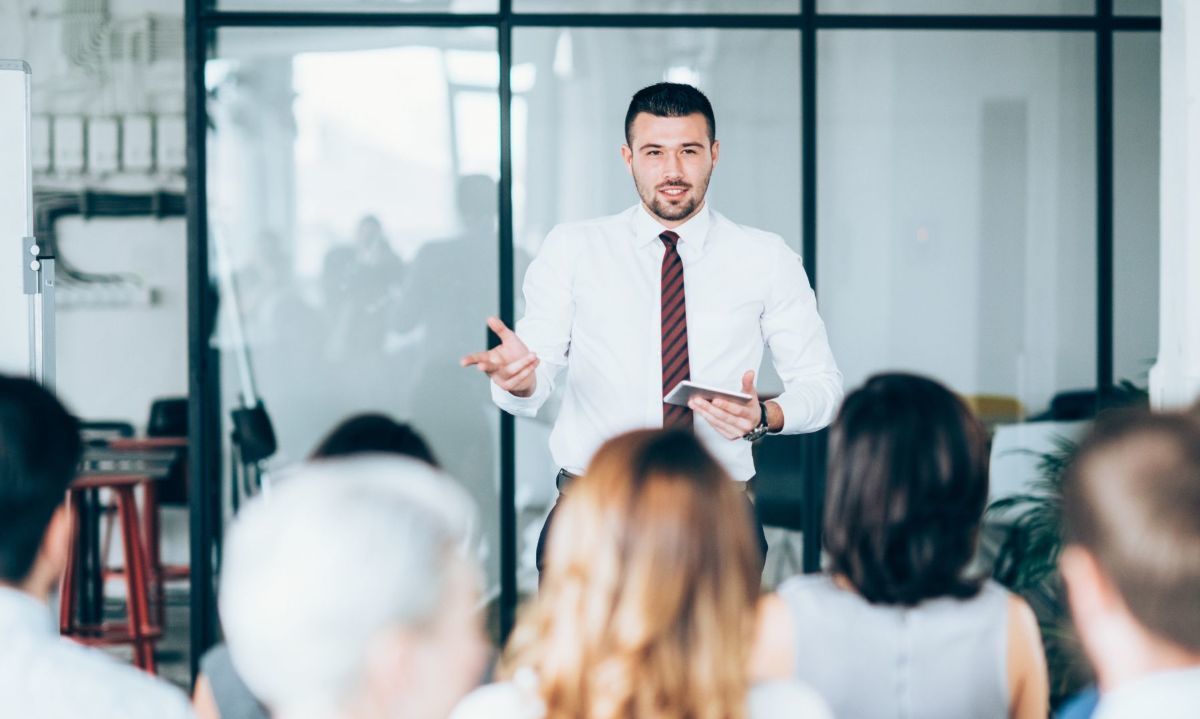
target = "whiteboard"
x: 16, y: 214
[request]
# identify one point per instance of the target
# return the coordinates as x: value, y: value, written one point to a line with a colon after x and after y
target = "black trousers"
x: 565, y: 478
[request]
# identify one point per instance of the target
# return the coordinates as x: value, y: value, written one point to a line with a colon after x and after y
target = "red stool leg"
x: 151, y: 533
x: 67, y: 588
x: 135, y: 580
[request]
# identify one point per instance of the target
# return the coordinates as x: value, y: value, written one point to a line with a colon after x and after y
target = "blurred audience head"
x: 907, y: 488
x: 1131, y: 530
x: 649, y: 594
x: 372, y: 433
x: 347, y: 592
x: 40, y: 450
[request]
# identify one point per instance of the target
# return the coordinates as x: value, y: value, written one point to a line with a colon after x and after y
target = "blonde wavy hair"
x: 647, y: 607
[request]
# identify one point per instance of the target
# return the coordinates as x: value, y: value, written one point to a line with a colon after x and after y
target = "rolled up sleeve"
x: 799, y: 346
x: 546, y: 326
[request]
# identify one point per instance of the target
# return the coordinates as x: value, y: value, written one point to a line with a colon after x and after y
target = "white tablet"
x: 687, y: 389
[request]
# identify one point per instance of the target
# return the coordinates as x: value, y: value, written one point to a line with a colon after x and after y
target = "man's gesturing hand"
x: 732, y: 418
x: 510, y: 364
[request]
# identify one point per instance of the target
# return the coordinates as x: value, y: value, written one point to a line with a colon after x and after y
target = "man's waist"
x: 565, y: 478
x: 572, y: 444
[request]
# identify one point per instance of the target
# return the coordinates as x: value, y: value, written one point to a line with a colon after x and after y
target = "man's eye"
x: 653, y: 152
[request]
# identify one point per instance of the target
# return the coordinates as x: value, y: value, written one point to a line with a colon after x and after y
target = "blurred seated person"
x: 220, y: 692
x: 347, y: 594
x: 43, y: 675
x: 1131, y: 562
x: 650, y: 601
x: 373, y: 433
x: 898, y: 627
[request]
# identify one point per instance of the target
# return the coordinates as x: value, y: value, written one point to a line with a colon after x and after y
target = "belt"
x: 564, y: 479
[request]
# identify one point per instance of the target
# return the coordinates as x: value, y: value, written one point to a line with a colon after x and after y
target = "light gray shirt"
x: 1163, y: 695
x: 44, y: 676
x: 945, y: 658
x: 518, y: 699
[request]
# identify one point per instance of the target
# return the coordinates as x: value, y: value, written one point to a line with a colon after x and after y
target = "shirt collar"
x: 692, y: 234
x: 21, y: 611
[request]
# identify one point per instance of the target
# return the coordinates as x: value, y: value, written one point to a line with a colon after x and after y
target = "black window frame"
x: 202, y: 20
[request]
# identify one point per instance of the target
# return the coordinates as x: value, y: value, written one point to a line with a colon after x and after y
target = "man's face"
x: 671, y: 160
x: 444, y: 660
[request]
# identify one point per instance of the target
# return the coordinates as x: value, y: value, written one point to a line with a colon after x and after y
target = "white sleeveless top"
x: 944, y: 658
x: 518, y: 699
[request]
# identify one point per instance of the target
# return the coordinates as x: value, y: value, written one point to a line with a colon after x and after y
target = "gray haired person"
x: 348, y: 593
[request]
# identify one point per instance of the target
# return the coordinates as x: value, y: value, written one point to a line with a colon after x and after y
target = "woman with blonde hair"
x: 650, y: 601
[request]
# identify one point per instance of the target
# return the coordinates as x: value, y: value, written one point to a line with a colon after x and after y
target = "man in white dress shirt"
x: 1131, y: 519
x: 42, y: 675
x: 667, y: 290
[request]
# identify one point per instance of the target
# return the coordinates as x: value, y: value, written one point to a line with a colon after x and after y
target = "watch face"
x: 756, y: 433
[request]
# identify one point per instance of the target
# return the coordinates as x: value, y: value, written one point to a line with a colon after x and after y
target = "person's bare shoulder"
x: 772, y: 655
x: 1027, y: 676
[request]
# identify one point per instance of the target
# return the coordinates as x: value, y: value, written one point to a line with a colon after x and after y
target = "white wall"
x: 957, y: 208
x: 1175, y: 379
x: 112, y: 361
x: 14, y: 218
x: 1136, y: 100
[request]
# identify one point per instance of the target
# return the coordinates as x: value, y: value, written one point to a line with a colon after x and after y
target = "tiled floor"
x: 172, y: 651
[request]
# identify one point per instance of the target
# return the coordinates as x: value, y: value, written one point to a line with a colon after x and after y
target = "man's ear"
x: 627, y: 156
x: 716, y: 151
x: 390, y: 661
x: 1089, y: 590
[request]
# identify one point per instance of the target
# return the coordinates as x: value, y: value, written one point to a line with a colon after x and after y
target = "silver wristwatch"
x: 758, y: 432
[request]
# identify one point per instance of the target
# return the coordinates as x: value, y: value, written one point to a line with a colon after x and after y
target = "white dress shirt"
x: 518, y: 699
x: 44, y: 676
x: 592, y: 306
x: 1163, y: 695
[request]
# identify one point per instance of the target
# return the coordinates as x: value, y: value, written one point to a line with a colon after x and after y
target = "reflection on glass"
x: 571, y: 90
x: 657, y: 6
x: 352, y: 189
x: 1137, y: 7
x: 959, y: 7
x: 364, y: 6
x: 957, y: 211
x: 1135, y: 205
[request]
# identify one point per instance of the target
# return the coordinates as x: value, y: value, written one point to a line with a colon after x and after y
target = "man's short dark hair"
x: 1131, y: 498
x: 669, y: 99
x: 907, y: 490
x: 373, y: 433
x: 39, y: 453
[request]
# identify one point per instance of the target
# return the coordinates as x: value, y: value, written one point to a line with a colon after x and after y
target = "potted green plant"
x: 1026, y: 562
x: 1029, y: 529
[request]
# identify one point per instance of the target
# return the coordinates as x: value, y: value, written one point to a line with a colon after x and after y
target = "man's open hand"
x: 510, y: 364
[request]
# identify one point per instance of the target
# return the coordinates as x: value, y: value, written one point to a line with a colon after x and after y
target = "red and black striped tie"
x: 675, y: 367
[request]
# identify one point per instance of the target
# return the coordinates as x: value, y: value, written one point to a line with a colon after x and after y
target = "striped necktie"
x: 675, y: 366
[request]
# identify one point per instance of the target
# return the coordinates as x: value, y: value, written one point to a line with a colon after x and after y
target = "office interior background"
x: 329, y: 197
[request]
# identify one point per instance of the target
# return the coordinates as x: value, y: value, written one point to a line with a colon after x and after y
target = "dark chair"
x: 789, y: 488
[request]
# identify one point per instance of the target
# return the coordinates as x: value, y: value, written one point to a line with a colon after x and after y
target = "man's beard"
x: 672, y: 213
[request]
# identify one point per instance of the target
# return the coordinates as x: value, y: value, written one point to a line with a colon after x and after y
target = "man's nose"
x: 673, y: 169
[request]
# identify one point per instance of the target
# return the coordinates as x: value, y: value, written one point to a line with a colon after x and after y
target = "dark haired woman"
x: 898, y: 627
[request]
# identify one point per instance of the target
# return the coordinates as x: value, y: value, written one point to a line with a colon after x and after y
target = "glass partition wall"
x: 352, y: 207
x: 971, y: 194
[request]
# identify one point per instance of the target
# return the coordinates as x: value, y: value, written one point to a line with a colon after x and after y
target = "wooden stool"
x: 159, y: 574
x: 137, y: 630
